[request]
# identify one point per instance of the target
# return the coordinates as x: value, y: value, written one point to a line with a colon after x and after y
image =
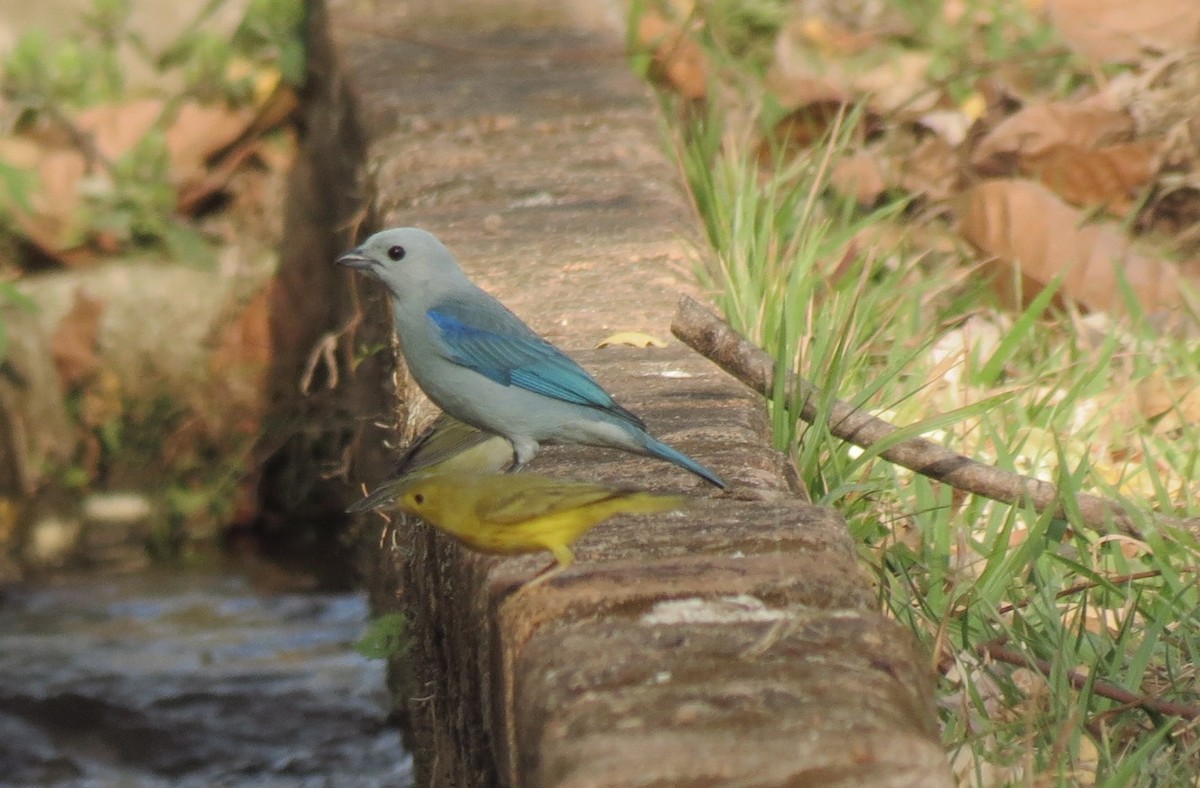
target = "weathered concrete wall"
x: 312, y: 430
x: 734, y: 644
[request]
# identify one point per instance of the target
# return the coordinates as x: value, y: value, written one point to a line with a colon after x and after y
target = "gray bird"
x: 479, y: 363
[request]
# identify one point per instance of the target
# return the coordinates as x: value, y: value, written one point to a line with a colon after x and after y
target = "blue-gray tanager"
x: 478, y: 362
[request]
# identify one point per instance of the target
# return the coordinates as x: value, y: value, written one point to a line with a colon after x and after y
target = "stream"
x: 176, y: 678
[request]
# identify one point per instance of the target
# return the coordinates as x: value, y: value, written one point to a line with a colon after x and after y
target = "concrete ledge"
x: 735, y: 644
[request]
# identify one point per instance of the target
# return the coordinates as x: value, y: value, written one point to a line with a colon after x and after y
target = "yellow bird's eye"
x: 418, y: 498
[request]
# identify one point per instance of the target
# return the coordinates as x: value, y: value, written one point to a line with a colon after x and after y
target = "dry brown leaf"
x: 54, y: 226
x: 679, y: 60
x: 73, y: 345
x: 114, y: 129
x: 799, y: 91
x: 199, y: 131
x: 193, y: 195
x: 799, y: 76
x: 931, y: 170
x: 833, y: 39
x: 798, y: 130
x: 1110, y: 31
x: 1109, y: 177
x: 900, y: 85
x: 1023, y: 226
x: 1035, y: 129
x: 1175, y: 212
x: 860, y: 175
x: 1175, y: 402
x: 953, y: 125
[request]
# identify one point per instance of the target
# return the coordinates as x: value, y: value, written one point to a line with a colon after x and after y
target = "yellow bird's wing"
x: 521, y: 503
x: 445, y: 445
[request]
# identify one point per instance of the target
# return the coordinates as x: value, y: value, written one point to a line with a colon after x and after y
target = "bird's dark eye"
x: 418, y: 498
x: 396, y: 253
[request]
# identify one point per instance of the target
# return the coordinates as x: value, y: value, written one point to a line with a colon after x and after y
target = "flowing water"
x: 189, y: 679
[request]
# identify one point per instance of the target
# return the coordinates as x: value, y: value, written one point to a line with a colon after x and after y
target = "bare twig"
x: 712, y: 337
x: 322, y: 351
x: 1105, y: 689
x: 1086, y: 585
x: 83, y: 140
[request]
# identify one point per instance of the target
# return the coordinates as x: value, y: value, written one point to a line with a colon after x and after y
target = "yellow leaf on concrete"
x: 633, y: 339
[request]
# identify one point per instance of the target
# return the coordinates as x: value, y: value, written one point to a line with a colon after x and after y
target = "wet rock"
x: 186, y: 679
x: 52, y: 541
x: 116, y: 529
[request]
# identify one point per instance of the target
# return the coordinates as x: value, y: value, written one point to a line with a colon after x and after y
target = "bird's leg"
x: 524, y: 450
x: 565, y: 559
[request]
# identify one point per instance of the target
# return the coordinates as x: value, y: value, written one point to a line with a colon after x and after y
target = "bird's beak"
x: 355, y: 259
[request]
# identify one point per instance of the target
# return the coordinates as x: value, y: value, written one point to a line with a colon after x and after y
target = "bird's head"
x: 403, y: 258
x: 420, y: 496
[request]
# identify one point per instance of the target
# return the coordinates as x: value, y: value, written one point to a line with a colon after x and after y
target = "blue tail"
x: 657, y: 448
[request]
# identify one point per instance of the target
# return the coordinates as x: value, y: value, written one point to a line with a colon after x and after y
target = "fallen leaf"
x: 1174, y: 211
x: 900, y: 85
x: 1110, y: 177
x: 192, y: 195
x: 799, y: 130
x: 835, y: 40
x: 73, y: 344
x: 115, y: 129
x: 633, y: 339
x: 197, y: 132
x: 1024, y: 228
x: 678, y: 59
x: 931, y: 170
x: 1117, y: 31
x: 1036, y: 129
x: 49, y: 217
x: 1172, y: 402
x: 799, y: 76
x: 952, y: 125
x: 799, y: 91
x: 860, y: 175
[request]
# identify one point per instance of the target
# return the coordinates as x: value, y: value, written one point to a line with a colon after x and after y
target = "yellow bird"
x: 446, y: 445
x: 522, y: 513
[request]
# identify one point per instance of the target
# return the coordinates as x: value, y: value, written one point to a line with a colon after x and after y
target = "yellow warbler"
x: 447, y: 445
x: 521, y: 513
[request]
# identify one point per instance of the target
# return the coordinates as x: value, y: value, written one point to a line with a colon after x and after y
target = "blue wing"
x: 495, y: 343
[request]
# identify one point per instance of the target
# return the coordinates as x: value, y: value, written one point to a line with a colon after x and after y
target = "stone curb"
x: 736, y: 644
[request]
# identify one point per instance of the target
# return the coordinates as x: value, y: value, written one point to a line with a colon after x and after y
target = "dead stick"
x: 1086, y: 585
x: 712, y: 337
x: 1104, y: 689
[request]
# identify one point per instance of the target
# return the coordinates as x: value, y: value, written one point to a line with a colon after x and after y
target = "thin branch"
x: 1086, y: 585
x: 1104, y: 689
x: 713, y: 338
